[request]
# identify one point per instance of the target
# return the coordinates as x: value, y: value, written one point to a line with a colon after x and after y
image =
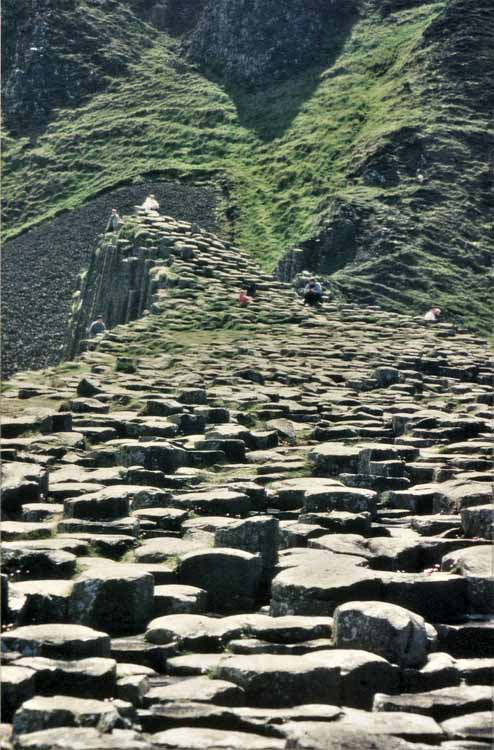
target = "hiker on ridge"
x: 151, y: 204
x: 97, y: 326
x: 313, y: 293
x: 433, y: 315
x: 114, y: 222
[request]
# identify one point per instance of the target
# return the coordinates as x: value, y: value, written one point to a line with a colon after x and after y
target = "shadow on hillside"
x: 269, y: 109
x: 270, y: 112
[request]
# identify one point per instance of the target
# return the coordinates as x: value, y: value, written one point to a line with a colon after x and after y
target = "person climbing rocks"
x: 244, y: 299
x: 251, y: 289
x: 433, y: 315
x: 114, y: 222
x: 97, y: 326
x: 151, y: 203
x: 313, y: 293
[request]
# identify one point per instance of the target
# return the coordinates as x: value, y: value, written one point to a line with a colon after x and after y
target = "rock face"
x: 253, y: 43
x: 177, y: 575
x: 118, y: 600
x: 45, y: 66
x: 367, y: 263
x: 392, y: 632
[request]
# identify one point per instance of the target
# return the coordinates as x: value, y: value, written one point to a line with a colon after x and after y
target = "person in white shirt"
x: 151, y: 204
x: 433, y: 315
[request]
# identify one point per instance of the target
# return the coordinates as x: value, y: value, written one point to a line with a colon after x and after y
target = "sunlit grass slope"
x: 284, y: 151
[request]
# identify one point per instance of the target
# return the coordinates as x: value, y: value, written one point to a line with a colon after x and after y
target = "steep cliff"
x: 415, y: 220
x: 258, y: 42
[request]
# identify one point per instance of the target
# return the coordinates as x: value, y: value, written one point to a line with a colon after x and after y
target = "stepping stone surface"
x: 254, y: 528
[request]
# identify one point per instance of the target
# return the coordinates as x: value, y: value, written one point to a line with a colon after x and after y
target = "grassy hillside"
x: 288, y: 154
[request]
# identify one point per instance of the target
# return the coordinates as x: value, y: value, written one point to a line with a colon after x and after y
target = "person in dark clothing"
x: 114, y: 222
x: 97, y: 326
x: 251, y: 289
x: 313, y: 293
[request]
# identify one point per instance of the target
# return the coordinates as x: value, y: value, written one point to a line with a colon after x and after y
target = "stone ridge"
x: 261, y: 528
x: 40, y: 268
x: 154, y: 258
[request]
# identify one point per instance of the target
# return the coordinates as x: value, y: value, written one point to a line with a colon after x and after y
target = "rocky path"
x: 255, y: 529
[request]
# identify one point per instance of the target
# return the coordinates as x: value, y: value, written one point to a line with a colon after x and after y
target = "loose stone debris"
x: 253, y: 528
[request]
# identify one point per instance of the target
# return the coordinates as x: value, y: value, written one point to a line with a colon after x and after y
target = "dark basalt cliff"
x: 40, y: 269
x: 56, y: 52
x: 257, y: 42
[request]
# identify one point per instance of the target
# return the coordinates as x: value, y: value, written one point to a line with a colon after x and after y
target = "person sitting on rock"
x: 97, y: 326
x: 313, y: 293
x: 114, y: 222
x: 244, y: 299
x: 151, y: 204
x: 433, y: 315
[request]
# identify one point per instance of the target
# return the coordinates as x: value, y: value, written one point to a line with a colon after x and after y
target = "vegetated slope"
x: 55, y: 52
x: 374, y: 159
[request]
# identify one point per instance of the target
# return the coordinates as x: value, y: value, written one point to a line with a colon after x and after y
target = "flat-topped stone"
x: 199, y: 689
x: 17, y: 686
x: 330, y: 459
x: 58, y: 641
x: 193, y: 632
x: 303, y: 589
x: 35, y: 602
x: 231, y: 577
x: 215, y: 502
x: 282, y: 680
x: 16, y: 530
x: 192, y: 738
x: 475, y: 565
x: 28, y: 563
x: 443, y: 704
x: 179, y: 599
x: 49, y: 712
x: 82, y: 678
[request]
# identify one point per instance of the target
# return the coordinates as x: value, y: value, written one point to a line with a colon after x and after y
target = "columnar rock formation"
x: 258, y: 528
x: 40, y: 268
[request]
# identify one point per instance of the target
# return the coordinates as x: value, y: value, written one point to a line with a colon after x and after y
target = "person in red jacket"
x: 244, y: 299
